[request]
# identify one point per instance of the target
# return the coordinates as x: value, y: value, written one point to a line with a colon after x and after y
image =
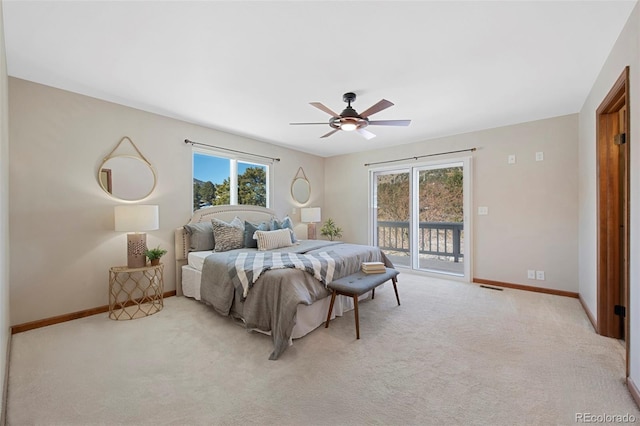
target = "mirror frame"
x: 101, y: 169
x: 293, y: 192
x: 138, y: 157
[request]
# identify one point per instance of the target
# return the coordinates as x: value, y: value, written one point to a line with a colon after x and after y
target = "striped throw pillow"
x: 268, y: 240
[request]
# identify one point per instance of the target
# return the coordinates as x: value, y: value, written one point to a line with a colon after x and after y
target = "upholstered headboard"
x: 253, y: 214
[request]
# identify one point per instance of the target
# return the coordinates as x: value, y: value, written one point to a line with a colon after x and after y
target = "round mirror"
x: 127, y: 177
x: 300, y: 190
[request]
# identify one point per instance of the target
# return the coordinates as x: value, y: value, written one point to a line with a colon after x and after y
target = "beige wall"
x: 532, y: 221
x: 625, y: 52
x: 4, y: 212
x: 62, y: 237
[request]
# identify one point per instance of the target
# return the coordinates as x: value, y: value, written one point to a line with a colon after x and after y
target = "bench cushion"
x: 359, y: 283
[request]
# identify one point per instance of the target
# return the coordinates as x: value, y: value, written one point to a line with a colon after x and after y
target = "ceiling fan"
x: 350, y: 120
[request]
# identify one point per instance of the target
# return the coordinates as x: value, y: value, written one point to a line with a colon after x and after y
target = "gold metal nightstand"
x: 135, y: 292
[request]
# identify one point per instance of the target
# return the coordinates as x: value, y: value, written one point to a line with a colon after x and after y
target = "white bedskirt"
x: 308, y: 317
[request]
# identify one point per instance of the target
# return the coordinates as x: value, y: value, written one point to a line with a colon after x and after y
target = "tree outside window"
x: 213, y: 185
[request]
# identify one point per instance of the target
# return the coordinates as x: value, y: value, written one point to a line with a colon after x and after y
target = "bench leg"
x: 355, y: 306
x: 333, y: 299
x: 395, y: 288
x: 373, y: 294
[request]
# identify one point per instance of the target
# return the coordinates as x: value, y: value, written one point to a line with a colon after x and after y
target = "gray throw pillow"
x: 200, y: 236
x: 249, y: 230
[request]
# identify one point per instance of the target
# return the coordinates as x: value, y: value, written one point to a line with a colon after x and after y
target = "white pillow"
x: 268, y: 240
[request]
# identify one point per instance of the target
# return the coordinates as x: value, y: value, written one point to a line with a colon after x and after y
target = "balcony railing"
x: 434, y: 238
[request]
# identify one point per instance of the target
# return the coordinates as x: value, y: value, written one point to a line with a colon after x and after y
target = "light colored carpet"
x: 452, y: 353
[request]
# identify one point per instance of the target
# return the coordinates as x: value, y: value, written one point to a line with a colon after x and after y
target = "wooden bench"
x: 357, y: 284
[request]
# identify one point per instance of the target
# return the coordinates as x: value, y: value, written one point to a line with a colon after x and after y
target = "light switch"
x: 483, y: 211
x: 511, y: 159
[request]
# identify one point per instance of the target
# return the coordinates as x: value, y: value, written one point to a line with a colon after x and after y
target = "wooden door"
x: 613, y: 220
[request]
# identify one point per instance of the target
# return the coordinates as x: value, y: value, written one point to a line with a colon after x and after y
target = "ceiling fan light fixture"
x: 348, y: 126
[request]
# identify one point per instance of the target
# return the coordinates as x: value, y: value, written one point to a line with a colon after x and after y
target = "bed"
x: 285, y: 302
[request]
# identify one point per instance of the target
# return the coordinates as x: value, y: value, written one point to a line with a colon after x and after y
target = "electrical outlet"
x: 540, y: 156
x: 511, y: 159
x: 483, y: 211
x: 540, y: 275
x: 531, y: 274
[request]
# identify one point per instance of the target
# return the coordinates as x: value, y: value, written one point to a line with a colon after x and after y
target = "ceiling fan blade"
x: 324, y: 108
x: 367, y: 134
x: 390, y: 122
x: 304, y: 124
x: 329, y: 134
x: 383, y: 104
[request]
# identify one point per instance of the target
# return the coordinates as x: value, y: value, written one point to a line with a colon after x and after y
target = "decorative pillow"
x: 286, y: 223
x: 228, y: 236
x: 249, y: 230
x: 268, y: 240
x: 200, y: 236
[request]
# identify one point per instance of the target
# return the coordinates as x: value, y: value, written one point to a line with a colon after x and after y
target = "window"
x: 219, y: 180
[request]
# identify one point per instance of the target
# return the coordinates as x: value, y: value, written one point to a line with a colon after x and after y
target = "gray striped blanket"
x: 246, y: 268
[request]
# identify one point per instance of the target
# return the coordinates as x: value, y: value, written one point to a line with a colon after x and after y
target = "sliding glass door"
x: 439, y: 200
x: 392, y: 215
x: 418, y: 217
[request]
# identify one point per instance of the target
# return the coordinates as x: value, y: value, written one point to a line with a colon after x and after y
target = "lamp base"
x: 136, y: 246
x: 311, y: 231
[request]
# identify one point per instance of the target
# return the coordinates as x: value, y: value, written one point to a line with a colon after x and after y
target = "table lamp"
x: 136, y: 218
x: 310, y: 215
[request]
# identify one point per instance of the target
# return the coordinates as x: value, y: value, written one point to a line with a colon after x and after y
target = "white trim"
x: 233, y: 182
x: 467, y: 211
x: 414, y: 219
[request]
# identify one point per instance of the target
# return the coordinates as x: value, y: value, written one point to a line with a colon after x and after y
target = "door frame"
x: 613, y: 212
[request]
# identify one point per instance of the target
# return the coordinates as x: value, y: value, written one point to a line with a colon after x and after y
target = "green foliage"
x: 223, y: 192
x: 204, y: 193
x: 252, y: 186
x: 252, y: 190
x: 393, y: 197
x: 330, y: 230
x: 155, y: 253
x: 439, y: 192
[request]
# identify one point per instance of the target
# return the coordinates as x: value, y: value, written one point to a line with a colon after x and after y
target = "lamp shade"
x: 136, y: 218
x: 310, y: 214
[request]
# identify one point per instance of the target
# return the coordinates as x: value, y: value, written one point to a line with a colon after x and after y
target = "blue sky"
x: 214, y: 169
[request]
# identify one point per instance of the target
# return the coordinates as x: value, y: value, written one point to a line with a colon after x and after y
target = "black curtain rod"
x: 231, y: 150
x: 420, y: 156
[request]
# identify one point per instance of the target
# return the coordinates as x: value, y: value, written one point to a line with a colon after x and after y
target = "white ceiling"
x: 251, y: 68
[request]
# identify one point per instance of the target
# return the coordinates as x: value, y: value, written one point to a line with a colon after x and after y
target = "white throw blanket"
x: 246, y: 268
